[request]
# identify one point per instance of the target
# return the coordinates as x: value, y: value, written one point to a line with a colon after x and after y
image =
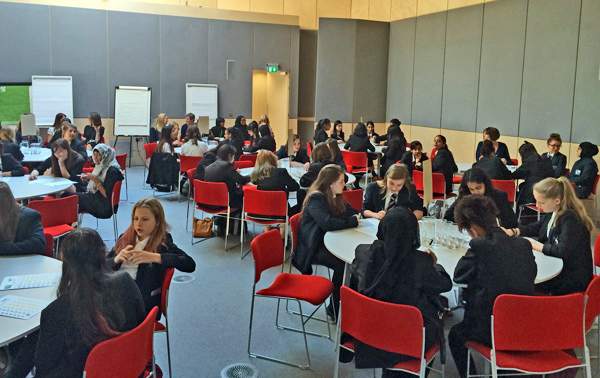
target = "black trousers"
x: 458, y: 336
x: 325, y: 258
x: 23, y: 353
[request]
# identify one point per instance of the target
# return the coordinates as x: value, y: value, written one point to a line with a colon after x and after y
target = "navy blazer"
x: 10, y: 164
x: 501, y: 152
x: 13, y: 149
x: 29, y: 238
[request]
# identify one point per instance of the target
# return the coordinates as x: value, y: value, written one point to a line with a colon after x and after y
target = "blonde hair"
x: 394, y: 172
x: 562, y: 189
x: 264, y: 119
x: 160, y: 121
x: 6, y: 134
x: 266, y: 161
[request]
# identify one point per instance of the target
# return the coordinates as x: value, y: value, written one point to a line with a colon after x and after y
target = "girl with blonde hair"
x: 160, y: 121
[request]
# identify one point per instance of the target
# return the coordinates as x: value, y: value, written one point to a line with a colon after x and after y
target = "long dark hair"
x: 165, y: 137
x: 58, y: 120
x: 10, y: 214
x: 474, y: 175
x: 64, y: 144
x: 327, y: 176
x: 360, y: 130
x: 527, y: 151
x: 82, y: 286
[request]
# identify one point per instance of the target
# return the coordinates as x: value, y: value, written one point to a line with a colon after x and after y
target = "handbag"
x: 203, y: 228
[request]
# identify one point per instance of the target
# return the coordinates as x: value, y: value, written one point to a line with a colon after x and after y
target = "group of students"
x: 101, y: 293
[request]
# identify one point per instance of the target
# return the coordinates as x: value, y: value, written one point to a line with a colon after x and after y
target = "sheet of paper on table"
x: 14, y: 306
x: 29, y: 281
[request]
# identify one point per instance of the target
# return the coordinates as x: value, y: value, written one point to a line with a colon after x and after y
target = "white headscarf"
x: 107, y: 160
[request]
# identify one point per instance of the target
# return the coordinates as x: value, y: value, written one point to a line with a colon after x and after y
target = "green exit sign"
x: 272, y: 67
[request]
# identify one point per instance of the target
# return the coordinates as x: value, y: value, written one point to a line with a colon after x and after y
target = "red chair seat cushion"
x: 535, y: 362
x: 159, y: 327
x: 312, y: 289
x: 261, y: 220
x: 457, y: 179
x: 58, y: 230
x: 214, y: 209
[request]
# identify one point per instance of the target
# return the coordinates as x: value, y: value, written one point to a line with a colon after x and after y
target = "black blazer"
x: 570, y: 241
x: 407, y: 197
x: 359, y: 144
x: 444, y: 163
x: 154, y: 135
x: 494, y: 264
x: 29, y: 238
x: 264, y: 143
x: 13, y: 149
x: 559, y: 163
x: 223, y: 171
x: 280, y: 180
x: 583, y: 174
x: 316, y: 221
x: 60, y: 352
x: 501, y: 152
x: 407, y: 159
x: 79, y: 147
x: 89, y: 133
x: 312, y: 173
x: 95, y: 203
x: 338, y: 136
x: 300, y: 157
x: 532, y: 170
x: 320, y: 136
x: 10, y: 164
x: 207, y: 160
x: 393, y: 153
x: 493, y: 168
x: 216, y: 132
x: 507, y: 216
x: 149, y: 277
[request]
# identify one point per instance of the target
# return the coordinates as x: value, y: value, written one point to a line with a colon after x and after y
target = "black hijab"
x: 588, y: 150
x: 238, y: 122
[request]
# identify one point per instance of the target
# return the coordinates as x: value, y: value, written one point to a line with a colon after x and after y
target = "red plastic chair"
x: 149, y: 149
x: 241, y: 164
x: 356, y: 162
x: 508, y: 187
x: 268, y: 252
x: 25, y: 170
x: 432, y: 153
x: 49, y: 251
x: 58, y: 215
x: 265, y: 207
x: 592, y: 307
x: 122, y: 160
x: 212, y: 198
x: 186, y: 163
x: 249, y: 157
x: 294, y: 227
x: 438, y: 185
x: 126, y: 355
x: 535, y: 335
x: 190, y: 173
x: 354, y: 198
x: 164, y: 304
x: 514, y: 161
x: 309, y: 148
x: 597, y: 252
x: 388, y: 326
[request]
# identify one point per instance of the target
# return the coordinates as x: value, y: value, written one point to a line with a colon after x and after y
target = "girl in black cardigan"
x: 64, y: 162
x: 145, y: 250
x: 564, y: 232
x: 324, y: 210
x: 443, y: 161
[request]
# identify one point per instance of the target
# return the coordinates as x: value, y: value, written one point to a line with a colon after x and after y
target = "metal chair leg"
x: 168, y: 345
x: 227, y: 226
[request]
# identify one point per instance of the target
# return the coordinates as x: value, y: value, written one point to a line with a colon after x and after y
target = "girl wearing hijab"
x: 218, y: 130
x: 97, y: 200
x: 265, y: 140
x: 394, y: 270
x: 584, y: 171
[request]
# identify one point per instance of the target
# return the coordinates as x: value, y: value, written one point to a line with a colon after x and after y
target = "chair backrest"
x: 438, y: 182
x: 249, y: 157
x: 164, y: 291
x: 190, y: 173
x: 124, y: 356
x: 49, y: 251
x: 388, y: 326
x: 432, y: 153
x: 308, y: 148
x: 354, y: 198
x: 294, y: 227
x: 241, y: 164
x: 149, y: 149
x: 188, y: 162
x: 211, y: 193
x: 57, y: 211
x: 267, y: 250
x: 538, y: 323
x: 592, y: 305
x: 597, y: 251
x: 355, y: 160
x: 417, y: 177
x: 514, y: 161
x: 122, y: 160
x: 116, y: 193
x: 268, y: 203
x: 508, y: 187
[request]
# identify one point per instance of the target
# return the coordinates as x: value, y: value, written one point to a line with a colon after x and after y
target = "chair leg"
x: 588, y: 362
x: 304, y: 334
x: 250, y: 354
x: 126, y: 188
x: 168, y: 345
x: 242, y: 237
x: 468, y: 363
x: 227, y: 227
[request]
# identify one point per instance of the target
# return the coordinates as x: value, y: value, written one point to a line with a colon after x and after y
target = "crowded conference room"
x: 299, y: 188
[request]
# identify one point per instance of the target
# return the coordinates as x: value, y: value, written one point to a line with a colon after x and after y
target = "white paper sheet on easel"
x: 132, y: 111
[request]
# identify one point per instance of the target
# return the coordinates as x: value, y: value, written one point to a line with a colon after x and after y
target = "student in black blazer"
x: 491, y: 164
x: 63, y: 162
x: 265, y: 140
x: 324, y: 210
x: 266, y: 176
x: 92, y: 305
x: 500, y: 149
x: 208, y: 158
x: 564, y: 232
x: 234, y: 138
x: 322, y: 131
x: 393, y: 131
x: 397, y: 272
x: 585, y: 170
x: 298, y: 156
x: 475, y: 181
x: 396, y: 189
x: 320, y: 157
x: 94, y: 132
x: 70, y: 133
x: 145, y: 250
x: 9, y: 146
x: 21, y: 230
x: 395, y: 150
x: 242, y: 128
x: 218, y: 130
x: 359, y: 140
x: 373, y: 136
x: 414, y: 158
x: 532, y: 170
x: 443, y: 161
x: 222, y: 170
x: 494, y: 264
x: 9, y: 166
x: 559, y: 161
x: 338, y: 131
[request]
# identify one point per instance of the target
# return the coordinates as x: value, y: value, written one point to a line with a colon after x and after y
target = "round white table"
x: 211, y: 144
x: 462, y: 167
x: 35, y: 155
x: 343, y: 243
x: 12, y: 329
x: 23, y: 188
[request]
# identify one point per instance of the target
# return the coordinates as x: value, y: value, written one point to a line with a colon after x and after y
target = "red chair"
x: 438, y: 185
x: 212, y: 198
x: 190, y: 173
x: 309, y: 148
x: 49, y: 251
x: 241, y: 164
x: 88, y: 164
x: 149, y: 149
x: 508, y: 187
x: 535, y: 335
x: 432, y: 153
x: 356, y: 163
x: 354, y: 198
x: 122, y: 160
x: 164, y: 304
x: 25, y: 170
x: 592, y: 307
x: 247, y: 143
x: 530, y: 206
x: 268, y: 252
x: 87, y: 169
x: 388, y: 326
x: 249, y: 157
x: 58, y: 215
x: 265, y: 207
x: 294, y: 227
x: 457, y: 179
x: 116, y: 198
x: 124, y: 356
x: 514, y: 161
x: 597, y: 252
x: 186, y: 163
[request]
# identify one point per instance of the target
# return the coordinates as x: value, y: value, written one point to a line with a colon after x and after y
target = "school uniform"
x: 506, y: 216
x: 207, y: 160
x: 299, y: 157
x: 280, y: 179
x: 568, y: 239
x: 184, y: 129
x: 29, y: 237
x: 407, y: 197
x: 411, y: 163
x: 89, y: 133
x: 13, y: 149
x: 445, y: 164
x: 320, y: 137
x: 216, y: 132
x: 312, y: 173
x: 338, y: 135
x: 559, y: 162
x: 394, y: 152
x: 95, y: 203
x: 264, y: 143
x: 533, y: 170
x: 223, y: 171
x: 79, y: 147
x: 9, y: 164
x: 583, y: 174
x: 493, y: 168
x: 501, y: 152
x: 493, y: 265
x: 359, y: 144
x: 154, y: 135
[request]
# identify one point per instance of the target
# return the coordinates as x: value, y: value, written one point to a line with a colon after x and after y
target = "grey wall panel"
x: 183, y: 59
x: 79, y: 48
x: 231, y: 41
x: 307, y: 73
x: 370, y: 71
x: 294, y: 68
x: 461, y: 71
x: 586, y: 114
x: 133, y: 51
x: 429, y: 67
x: 25, y: 50
x: 400, y: 69
x: 335, y: 69
x: 549, y: 69
x: 501, y: 70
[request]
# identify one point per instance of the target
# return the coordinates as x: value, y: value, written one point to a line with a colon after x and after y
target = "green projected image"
x: 14, y: 101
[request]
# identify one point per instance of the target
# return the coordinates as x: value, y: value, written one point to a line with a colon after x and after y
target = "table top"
x: 35, y: 155
x: 462, y: 167
x: 343, y: 243
x: 13, y: 329
x: 23, y: 188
